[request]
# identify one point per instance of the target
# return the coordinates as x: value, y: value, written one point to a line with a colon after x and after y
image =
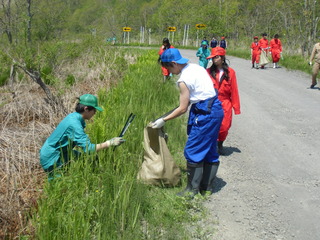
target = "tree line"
x: 296, y: 21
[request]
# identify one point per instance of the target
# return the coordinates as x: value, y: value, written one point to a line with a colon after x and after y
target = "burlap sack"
x: 158, y: 167
x: 263, y: 58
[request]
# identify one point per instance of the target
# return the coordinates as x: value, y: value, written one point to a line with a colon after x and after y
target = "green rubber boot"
x: 194, y: 172
x: 209, y: 174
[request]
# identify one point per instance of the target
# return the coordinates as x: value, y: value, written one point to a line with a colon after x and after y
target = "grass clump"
x: 99, y: 196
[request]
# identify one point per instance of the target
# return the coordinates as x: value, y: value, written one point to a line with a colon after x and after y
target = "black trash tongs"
x: 126, y: 126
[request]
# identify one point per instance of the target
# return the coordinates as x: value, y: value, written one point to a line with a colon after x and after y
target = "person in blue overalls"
x: 205, y: 117
x: 223, y: 43
x: 202, y: 53
x: 213, y: 43
x: 59, y: 146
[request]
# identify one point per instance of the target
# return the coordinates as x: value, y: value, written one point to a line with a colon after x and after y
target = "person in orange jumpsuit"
x: 264, y: 45
x: 225, y: 82
x: 255, y: 53
x: 165, y: 45
x: 276, y: 50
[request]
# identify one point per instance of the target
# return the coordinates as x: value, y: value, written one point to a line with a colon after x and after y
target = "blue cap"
x: 173, y: 55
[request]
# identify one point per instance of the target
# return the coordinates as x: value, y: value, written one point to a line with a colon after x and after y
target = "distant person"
x: 223, y: 43
x: 225, y: 82
x: 202, y: 53
x: 213, y: 43
x: 264, y: 45
x: 165, y: 45
x: 205, y: 116
x: 114, y: 40
x: 255, y: 52
x: 316, y: 66
x: 59, y: 146
x: 205, y: 40
x: 276, y: 50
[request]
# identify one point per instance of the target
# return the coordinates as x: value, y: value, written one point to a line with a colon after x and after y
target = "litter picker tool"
x: 126, y: 126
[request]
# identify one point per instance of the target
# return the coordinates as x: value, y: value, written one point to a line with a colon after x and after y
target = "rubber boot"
x: 252, y: 65
x: 220, y: 148
x: 257, y: 65
x: 194, y: 172
x: 209, y: 174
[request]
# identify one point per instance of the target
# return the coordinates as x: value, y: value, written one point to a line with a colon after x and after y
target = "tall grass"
x: 26, y: 120
x: 99, y: 196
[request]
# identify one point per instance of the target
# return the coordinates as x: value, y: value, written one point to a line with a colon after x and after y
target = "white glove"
x: 310, y: 63
x: 158, y: 124
x: 116, y: 141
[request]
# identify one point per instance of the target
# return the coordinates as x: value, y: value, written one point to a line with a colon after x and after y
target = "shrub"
x: 70, y: 80
x: 4, y: 76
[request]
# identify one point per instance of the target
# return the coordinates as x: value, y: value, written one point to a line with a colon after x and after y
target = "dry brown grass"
x: 26, y: 120
x: 21, y: 178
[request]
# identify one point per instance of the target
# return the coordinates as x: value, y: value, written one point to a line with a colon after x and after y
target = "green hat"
x: 90, y: 100
x: 204, y: 43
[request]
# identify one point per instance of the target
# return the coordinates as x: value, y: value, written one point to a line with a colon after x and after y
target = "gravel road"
x: 268, y: 184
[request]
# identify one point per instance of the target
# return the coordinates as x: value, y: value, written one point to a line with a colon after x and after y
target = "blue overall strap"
x: 204, y: 106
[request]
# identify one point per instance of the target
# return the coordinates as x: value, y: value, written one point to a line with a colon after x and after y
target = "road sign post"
x: 171, y: 30
x: 126, y: 31
x: 199, y: 26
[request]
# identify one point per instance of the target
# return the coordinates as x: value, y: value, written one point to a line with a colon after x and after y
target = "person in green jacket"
x: 203, y: 52
x: 70, y: 133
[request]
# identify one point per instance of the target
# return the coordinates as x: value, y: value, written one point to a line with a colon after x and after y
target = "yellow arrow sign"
x: 201, y: 26
x: 172, y: 29
x: 126, y: 29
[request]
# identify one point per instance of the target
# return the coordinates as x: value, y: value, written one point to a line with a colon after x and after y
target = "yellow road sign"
x: 126, y: 29
x: 201, y: 26
x: 172, y: 29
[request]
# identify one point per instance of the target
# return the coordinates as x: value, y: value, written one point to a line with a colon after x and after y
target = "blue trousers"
x: 204, y: 122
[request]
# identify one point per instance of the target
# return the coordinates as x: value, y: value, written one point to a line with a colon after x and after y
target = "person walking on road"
x: 316, y: 66
x: 255, y: 53
x: 204, y: 40
x: 264, y: 45
x: 276, y: 50
x: 58, y: 149
x: 204, y: 121
x: 202, y: 53
x: 225, y: 82
x: 213, y: 43
x: 223, y: 43
x: 165, y: 45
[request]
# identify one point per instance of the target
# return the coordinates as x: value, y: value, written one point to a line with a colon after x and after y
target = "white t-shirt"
x: 198, y: 82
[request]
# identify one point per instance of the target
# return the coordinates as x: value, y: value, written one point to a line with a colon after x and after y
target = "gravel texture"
x: 268, y: 183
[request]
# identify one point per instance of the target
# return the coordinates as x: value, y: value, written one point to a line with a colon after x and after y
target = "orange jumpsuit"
x: 276, y: 49
x: 165, y: 72
x: 256, y: 50
x: 229, y: 96
x: 264, y: 44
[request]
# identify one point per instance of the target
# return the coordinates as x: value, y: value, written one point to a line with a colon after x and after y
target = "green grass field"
x: 99, y: 197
